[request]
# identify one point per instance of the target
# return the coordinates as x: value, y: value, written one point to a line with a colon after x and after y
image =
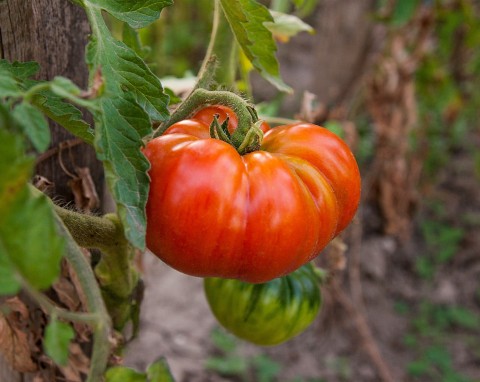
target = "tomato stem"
x: 95, y: 305
x: 221, y: 48
x: 117, y: 277
x: 247, y: 137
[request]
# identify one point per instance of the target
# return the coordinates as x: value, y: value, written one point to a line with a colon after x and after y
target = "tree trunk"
x: 53, y: 33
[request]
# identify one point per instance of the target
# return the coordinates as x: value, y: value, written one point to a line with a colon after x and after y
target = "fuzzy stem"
x: 213, y: 36
x: 95, y: 305
x: 223, y: 48
x: 115, y: 272
x: 53, y: 310
x: 91, y: 231
x: 201, y: 97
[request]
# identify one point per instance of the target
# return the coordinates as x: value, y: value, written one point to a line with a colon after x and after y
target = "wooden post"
x: 53, y: 33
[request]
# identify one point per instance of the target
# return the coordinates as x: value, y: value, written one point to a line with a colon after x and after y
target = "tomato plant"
x: 212, y: 212
x: 218, y: 207
x: 268, y: 313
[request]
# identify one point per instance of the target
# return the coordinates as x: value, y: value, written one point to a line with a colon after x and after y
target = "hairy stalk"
x: 201, y: 98
x: 49, y: 306
x: 115, y: 271
x: 213, y: 36
x: 95, y: 305
x: 92, y: 231
x: 223, y: 48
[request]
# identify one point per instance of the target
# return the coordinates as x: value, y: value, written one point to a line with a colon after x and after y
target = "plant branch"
x: 223, y: 47
x: 115, y: 272
x: 365, y: 334
x: 91, y: 231
x: 201, y: 97
x: 49, y: 307
x: 213, y: 36
x: 95, y: 305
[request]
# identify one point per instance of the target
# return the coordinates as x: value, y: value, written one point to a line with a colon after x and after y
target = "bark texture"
x: 53, y: 33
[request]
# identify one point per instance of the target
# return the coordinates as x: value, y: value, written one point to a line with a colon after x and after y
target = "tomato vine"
x: 126, y: 99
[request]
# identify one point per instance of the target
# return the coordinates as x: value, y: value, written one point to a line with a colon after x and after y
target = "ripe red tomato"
x: 214, y: 213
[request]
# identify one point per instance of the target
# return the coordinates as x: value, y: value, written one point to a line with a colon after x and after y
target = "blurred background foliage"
x: 433, y: 47
x: 447, y: 78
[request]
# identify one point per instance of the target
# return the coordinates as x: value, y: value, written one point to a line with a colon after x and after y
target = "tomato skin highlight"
x: 266, y: 314
x: 192, y: 127
x: 214, y: 213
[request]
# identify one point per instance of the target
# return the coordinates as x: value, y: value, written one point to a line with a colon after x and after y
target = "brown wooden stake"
x: 54, y: 33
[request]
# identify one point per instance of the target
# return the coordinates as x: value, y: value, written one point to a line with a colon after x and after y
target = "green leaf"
x: 65, y: 88
x: 286, y: 26
x: 9, y: 282
x: 15, y: 170
x: 305, y: 7
x: 137, y: 13
x: 58, y: 336
x: 125, y: 71
x: 266, y: 368
x: 223, y: 341
x: 124, y: 374
x: 159, y: 371
x: 121, y: 125
x: 229, y: 365
x: 133, y: 95
x: 131, y: 38
x: 65, y: 114
x: 29, y: 239
x: 418, y: 368
x: 8, y: 85
x: 33, y: 125
x: 404, y: 11
x: 247, y: 18
x: 20, y: 70
x: 15, y: 167
x: 29, y: 244
x: 463, y: 317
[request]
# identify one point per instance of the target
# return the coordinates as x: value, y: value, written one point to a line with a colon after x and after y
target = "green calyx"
x: 251, y: 141
x: 246, y: 138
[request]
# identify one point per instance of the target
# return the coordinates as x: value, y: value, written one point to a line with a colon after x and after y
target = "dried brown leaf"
x: 83, y: 189
x: 15, y: 347
x: 337, y: 262
x: 43, y: 184
x: 78, y: 364
x: 71, y: 295
x: 67, y: 294
x: 311, y: 110
x: 38, y: 378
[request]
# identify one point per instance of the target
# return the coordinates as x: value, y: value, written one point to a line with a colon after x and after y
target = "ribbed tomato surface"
x: 214, y: 213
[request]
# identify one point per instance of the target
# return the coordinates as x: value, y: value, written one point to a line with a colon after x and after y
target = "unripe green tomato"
x: 269, y: 313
